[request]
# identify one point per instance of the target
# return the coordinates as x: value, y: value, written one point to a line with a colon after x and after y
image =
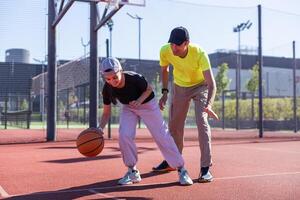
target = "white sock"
x: 132, y: 168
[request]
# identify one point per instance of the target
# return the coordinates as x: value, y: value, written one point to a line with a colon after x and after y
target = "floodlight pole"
x: 139, y: 19
x: 110, y: 25
x: 139, y: 26
x: 295, y: 88
x: 84, y: 46
x: 238, y: 29
x: 42, y: 89
x: 260, y: 63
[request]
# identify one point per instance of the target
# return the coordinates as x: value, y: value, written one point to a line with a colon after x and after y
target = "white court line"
x: 3, y: 193
x: 103, y: 195
x: 94, y: 190
x: 256, y: 175
x: 269, y: 149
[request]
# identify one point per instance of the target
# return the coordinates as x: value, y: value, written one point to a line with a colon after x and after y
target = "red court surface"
x: 245, y: 167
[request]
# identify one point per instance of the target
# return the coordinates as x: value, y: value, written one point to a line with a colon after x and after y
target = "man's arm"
x: 165, y: 76
x: 165, y: 81
x: 212, y: 88
x: 105, y: 116
x: 211, y: 85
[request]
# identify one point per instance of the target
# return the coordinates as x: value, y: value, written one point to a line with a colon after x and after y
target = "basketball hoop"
x: 124, y: 2
x: 113, y: 3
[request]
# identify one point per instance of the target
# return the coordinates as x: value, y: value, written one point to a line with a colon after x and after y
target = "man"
x: 193, y: 80
x: 137, y: 99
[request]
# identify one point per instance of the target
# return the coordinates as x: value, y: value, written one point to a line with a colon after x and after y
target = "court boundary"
x: 3, y: 193
x: 94, y: 190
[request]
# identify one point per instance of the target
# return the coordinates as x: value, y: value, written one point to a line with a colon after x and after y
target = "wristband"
x: 164, y: 90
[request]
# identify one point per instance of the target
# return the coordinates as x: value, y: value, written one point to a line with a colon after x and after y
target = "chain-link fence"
x: 228, y: 34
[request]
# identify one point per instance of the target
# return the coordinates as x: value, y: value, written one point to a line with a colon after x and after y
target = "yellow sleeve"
x: 163, y: 61
x: 204, y: 60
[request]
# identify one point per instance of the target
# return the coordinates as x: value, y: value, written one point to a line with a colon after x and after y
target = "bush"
x: 273, y: 108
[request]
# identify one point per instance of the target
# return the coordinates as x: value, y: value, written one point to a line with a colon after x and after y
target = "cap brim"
x: 174, y: 41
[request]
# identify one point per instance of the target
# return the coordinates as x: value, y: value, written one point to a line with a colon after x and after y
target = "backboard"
x: 126, y: 2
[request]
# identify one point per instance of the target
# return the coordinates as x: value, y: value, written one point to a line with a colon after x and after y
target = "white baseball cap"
x: 110, y: 65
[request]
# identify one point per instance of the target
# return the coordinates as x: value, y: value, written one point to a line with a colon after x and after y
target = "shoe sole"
x: 205, y: 180
x: 129, y: 183
x: 169, y: 169
x: 186, y: 184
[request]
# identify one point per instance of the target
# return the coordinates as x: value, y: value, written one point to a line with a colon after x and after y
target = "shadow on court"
x: 141, y: 150
x: 102, y: 188
x: 243, y: 163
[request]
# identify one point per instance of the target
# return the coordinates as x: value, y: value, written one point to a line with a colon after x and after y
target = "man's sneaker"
x: 163, y: 167
x: 205, y: 175
x: 184, y: 178
x: 132, y: 176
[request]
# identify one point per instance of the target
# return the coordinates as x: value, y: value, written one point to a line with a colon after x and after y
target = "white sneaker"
x: 204, y: 178
x: 132, y: 176
x: 184, y: 178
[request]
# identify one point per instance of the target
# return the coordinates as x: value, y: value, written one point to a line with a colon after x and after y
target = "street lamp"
x: 84, y: 46
x: 139, y: 19
x: 238, y: 29
x: 42, y: 88
x: 110, y: 25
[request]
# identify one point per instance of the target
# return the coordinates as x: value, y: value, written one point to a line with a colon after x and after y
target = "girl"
x: 137, y: 99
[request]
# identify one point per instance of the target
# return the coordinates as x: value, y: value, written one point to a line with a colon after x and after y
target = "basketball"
x: 90, y: 142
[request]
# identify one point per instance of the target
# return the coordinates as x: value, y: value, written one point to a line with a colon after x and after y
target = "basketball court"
x: 245, y: 167
x: 36, y: 164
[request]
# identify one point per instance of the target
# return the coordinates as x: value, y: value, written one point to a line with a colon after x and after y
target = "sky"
x: 23, y: 24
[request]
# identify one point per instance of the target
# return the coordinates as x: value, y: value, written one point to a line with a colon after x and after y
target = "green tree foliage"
x: 274, y: 109
x: 24, y: 105
x: 252, y: 84
x: 222, y: 79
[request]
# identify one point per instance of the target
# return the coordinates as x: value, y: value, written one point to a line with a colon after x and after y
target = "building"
x: 277, y: 73
x: 22, y: 80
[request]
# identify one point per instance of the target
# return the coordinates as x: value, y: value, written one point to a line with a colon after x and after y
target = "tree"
x: 222, y: 79
x: 24, y: 105
x: 252, y: 84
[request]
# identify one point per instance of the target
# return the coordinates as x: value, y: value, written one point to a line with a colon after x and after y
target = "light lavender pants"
x: 152, y: 117
x: 180, y: 102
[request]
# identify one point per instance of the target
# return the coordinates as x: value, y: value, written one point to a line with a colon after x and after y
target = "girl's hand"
x: 135, y: 104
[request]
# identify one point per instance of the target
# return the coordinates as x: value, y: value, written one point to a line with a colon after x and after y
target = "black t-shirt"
x: 135, y: 85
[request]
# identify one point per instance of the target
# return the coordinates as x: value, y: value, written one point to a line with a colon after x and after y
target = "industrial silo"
x: 17, y: 55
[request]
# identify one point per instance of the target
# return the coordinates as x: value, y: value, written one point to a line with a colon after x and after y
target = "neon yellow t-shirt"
x: 187, y: 71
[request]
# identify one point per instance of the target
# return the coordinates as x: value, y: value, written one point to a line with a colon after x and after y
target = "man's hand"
x: 163, y: 101
x: 211, y: 113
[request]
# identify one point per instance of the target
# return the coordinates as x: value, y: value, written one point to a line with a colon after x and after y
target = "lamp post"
x: 110, y: 25
x: 42, y: 88
x: 139, y: 19
x: 238, y: 29
x: 84, y: 46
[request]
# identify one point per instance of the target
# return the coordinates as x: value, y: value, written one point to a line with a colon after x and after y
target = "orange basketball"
x: 90, y: 142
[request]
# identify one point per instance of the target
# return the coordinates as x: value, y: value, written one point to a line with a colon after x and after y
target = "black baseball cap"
x: 179, y: 35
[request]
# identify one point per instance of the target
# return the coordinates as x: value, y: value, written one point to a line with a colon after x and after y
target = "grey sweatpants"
x: 180, y: 102
x: 152, y: 117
